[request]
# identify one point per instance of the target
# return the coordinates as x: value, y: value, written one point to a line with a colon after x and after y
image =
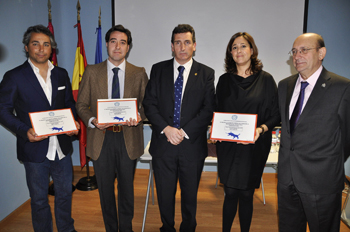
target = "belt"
x: 115, y: 128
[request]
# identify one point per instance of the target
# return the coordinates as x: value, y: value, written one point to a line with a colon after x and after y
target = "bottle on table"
x: 278, y: 140
x: 274, y: 142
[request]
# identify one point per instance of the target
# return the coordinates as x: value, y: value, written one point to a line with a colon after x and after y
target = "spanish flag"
x: 53, y: 55
x: 79, y: 67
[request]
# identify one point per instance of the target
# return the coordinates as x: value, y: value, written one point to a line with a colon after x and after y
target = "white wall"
x: 14, y: 20
x: 331, y: 20
x: 273, y: 23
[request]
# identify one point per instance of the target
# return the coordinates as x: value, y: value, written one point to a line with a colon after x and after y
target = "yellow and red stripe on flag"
x: 79, y: 67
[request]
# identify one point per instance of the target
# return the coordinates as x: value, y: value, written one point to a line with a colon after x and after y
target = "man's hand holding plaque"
x: 53, y: 122
x: 117, y: 111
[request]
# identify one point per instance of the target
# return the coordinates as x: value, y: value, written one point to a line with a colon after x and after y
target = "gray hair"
x: 38, y: 29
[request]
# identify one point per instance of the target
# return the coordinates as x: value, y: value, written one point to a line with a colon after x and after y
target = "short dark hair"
x: 230, y: 64
x: 320, y: 41
x: 183, y: 28
x: 38, y: 29
x: 119, y: 28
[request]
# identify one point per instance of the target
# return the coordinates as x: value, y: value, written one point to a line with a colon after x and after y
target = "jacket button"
x: 292, y: 148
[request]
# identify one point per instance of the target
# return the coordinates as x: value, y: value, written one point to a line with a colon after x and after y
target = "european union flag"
x: 98, y: 54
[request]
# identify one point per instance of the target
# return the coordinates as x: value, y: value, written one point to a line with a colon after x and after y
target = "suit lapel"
x: 192, y: 77
x: 29, y: 74
x: 290, y: 90
x: 54, y: 83
x: 321, y: 86
x: 128, y: 83
x: 102, y: 80
x: 169, y: 81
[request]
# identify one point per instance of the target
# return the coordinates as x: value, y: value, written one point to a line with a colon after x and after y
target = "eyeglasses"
x: 295, y: 51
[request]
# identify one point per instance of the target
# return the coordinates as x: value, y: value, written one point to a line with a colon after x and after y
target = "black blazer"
x: 20, y: 91
x: 314, y: 156
x: 196, y: 109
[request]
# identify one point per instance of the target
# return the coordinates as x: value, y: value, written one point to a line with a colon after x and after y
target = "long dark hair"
x: 230, y: 64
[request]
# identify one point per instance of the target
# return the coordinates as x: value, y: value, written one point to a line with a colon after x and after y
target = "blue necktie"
x: 115, y: 84
x: 298, y: 106
x: 177, y: 93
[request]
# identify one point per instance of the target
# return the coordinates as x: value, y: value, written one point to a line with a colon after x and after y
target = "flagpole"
x: 86, y: 183
x: 49, y: 7
x: 53, y: 59
x: 99, y: 17
x: 98, y: 53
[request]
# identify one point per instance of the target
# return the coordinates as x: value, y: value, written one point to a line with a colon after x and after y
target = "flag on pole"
x: 50, y: 26
x: 98, y: 53
x: 79, y: 67
x: 53, y: 55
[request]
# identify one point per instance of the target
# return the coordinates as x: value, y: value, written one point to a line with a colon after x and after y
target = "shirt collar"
x: 36, y: 69
x: 313, y: 78
x: 110, y: 65
x: 187, y: 65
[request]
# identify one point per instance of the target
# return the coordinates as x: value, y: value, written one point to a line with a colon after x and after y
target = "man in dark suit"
x: 114, y: 149
x: 179, y: 103
x: 37, y: 85
x: 315, y: 114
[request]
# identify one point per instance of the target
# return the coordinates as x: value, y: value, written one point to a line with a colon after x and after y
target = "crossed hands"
x: 174, y: 135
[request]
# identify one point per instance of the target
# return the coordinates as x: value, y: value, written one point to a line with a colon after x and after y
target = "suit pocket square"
x: 61, y: 87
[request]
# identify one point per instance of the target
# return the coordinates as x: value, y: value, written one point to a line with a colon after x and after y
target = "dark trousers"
x: 296, y: 209
x: 169, y: 168
x: 115, y: 162
x: 37, y: 175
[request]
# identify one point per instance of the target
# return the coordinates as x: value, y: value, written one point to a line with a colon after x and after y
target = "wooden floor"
x: 87, y: 214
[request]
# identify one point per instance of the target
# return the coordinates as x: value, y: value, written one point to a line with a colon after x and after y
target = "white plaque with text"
x: 233, y: 127
x: 53, y: 122
x: 116, y: 111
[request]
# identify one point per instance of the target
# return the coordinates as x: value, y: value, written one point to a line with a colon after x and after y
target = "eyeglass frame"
x: 301, y: 51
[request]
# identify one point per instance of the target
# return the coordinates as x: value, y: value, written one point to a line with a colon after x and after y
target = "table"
x: 272, y: 160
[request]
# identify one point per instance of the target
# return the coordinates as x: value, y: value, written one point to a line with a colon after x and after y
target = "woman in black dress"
x: 244, y: 88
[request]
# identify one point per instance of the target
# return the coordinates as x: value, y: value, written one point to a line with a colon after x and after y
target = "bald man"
x: 315, y: 113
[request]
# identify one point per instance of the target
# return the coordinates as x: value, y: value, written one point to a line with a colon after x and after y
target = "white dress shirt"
x: 185, y: 74
x: 110, y: 74
x: 308, y: 90
x: 121, y: 77
x: 47, y: 88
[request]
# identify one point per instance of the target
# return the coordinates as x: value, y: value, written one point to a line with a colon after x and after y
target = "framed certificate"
x: 53, y: 122
x: 116, y: 111
x: 233, y: 127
